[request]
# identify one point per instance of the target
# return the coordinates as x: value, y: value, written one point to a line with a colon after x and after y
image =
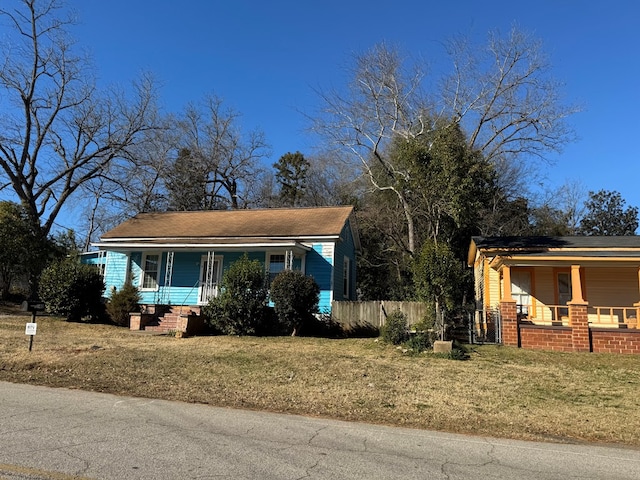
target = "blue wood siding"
x: 115, y: 273
x: 183, y: 289
x: 323, y: 262
x: 319, y: 264
x: 184, y: 284
x: 345, y: 248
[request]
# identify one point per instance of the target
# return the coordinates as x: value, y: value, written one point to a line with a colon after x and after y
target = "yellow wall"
x: 610, y: 286
x: 494, y: 288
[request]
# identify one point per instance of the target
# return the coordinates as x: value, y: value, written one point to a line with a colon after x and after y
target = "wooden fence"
x: 367, y: 315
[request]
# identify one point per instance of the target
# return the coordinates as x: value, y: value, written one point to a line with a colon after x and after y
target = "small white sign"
x: 31, y: 329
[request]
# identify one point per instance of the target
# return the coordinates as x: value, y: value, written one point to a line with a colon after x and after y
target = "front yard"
x: 499, y: 391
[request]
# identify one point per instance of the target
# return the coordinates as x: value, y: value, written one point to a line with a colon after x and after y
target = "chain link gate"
x: 485, y: 326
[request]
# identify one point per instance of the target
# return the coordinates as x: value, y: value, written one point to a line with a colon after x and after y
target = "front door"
x: 521, y: 291
x: 563, y: 292
x: 208, y: 287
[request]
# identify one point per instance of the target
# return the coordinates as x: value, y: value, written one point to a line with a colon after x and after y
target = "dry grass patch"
x: 500, y: 391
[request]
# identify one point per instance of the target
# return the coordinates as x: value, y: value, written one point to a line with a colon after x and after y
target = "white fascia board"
x: 195, y: 246
x: 188, y: 240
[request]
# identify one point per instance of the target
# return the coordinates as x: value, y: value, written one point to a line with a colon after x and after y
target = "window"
x: 150, y: 271
x: 346, y: 277
x: 276, y: 265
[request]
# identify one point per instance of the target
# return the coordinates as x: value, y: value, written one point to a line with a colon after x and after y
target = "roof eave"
x: 125, y: 246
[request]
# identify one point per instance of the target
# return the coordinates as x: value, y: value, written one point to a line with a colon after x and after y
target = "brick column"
x: 579, y: 327
x: 508, y: 312
x: 135, y: 321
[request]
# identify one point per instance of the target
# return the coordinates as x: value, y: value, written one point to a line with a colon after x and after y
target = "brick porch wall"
x: 540, y: 337
x: 615, y: 341
x: 578, y: 337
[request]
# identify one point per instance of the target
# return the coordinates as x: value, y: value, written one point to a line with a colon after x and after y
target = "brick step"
x: 165, y: 324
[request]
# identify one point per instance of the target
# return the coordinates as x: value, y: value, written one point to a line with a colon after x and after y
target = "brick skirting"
x: 542, y: 337
x: 578, y: 337
x: 560, y: 339
x: 615, y: 341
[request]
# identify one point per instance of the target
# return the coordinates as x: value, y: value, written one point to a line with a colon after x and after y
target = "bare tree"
x: 382, y: 101
x: 57, y: 131
x: 129, y: 186
x: 502, y: 98
x: 226, y: 159
x: 505, y: 98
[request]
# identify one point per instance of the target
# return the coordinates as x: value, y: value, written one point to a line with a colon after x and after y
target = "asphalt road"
x: 67, y: 434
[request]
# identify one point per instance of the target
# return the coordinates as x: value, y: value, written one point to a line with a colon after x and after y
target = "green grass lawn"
x: 499, y: 391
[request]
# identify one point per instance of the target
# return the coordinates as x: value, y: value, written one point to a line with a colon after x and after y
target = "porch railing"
x: 613, y: 317
x: 555, y: 315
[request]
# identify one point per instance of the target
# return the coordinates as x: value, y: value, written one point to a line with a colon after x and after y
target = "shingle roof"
x: 627, y: 247
x: 576, y: 242
x: 221, y: 224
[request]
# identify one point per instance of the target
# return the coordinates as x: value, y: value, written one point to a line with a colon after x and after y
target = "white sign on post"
x: 31, y: 329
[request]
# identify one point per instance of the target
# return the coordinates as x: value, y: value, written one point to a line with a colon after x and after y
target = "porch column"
x: 578, y: 315
x: 506, y: 284
x: 576, y: 285
x: 580, y: 335
x: 508, y: 311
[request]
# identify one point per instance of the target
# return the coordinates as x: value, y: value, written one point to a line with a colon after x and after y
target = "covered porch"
x: 560, y: 293
x: 588, y: 306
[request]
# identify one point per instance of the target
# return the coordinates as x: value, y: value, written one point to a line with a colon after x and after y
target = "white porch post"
x: 168, y: 278
x: 208, y: 282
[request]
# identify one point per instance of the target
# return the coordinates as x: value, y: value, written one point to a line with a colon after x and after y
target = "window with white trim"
x: 150, y: 271
x: 276, y: 265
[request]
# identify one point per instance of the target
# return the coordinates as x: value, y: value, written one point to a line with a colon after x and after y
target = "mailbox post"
x: 34, y: 307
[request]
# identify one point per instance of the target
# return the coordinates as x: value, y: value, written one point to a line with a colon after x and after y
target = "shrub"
x: 123, y: 302
x: 419, y: 342
x: 240, y: 307
x: 394, y: 330
x: 71, y: 289
x: 295, y: 298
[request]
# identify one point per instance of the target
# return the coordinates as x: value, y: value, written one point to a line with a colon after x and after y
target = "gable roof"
x: 576, y: 246
x: 234, y: 226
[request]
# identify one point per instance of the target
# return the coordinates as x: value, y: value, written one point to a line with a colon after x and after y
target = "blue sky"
x: 264, y: 58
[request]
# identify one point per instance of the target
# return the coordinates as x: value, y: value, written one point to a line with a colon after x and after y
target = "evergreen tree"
x: 291, y: 175
x: 607, y: 215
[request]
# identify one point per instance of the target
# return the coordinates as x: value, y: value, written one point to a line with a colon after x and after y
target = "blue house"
x: 177, y: 259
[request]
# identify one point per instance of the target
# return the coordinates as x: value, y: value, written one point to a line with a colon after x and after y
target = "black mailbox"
x: 32, y: 306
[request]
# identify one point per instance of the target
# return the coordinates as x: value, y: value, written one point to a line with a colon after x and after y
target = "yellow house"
x: 559, y: 293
